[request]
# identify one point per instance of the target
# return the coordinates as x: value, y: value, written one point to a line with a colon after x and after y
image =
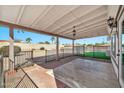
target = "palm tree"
x: 19, y: 30
x: 53, y: 39
x: 28, y: 40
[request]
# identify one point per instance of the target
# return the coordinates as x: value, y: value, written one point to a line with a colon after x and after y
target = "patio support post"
x: 73, y: 47
x: 11, y: 48
x: 57, y: 48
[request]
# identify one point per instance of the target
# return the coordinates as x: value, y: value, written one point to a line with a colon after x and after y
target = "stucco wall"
x: 25, y: 46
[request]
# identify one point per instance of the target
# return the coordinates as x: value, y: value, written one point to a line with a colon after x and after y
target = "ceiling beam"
x: 20, y: 14
x: 29, y: 29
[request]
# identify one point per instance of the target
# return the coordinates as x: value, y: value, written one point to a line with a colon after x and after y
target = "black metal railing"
x: 7, y: 66
x: 22, y: 57
x: 50, y: 55
x: 97, y: 51
x: 79, y: 50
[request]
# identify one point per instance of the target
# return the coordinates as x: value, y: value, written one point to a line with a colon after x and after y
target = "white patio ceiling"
x: 90, y: 20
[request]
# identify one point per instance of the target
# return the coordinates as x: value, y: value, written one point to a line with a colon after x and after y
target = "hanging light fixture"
x: 111, y: 22
x: 74, y: 31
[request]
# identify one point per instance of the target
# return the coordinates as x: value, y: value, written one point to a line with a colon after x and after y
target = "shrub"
x: 42, y: 48
x: 5, y: 50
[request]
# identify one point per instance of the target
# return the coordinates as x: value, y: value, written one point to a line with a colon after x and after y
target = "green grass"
x: 100, y: 55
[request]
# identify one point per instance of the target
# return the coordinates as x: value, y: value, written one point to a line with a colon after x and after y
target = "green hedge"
x: 5, y: 50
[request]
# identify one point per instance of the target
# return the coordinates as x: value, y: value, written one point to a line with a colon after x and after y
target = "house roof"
x: 4, y: 41
x: 57, y: 20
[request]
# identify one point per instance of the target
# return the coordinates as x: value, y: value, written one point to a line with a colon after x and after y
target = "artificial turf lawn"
x: 123, y: 58
x: 101, y: 55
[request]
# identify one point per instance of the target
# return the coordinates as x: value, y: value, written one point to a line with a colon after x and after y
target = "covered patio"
x: 70, y: 72
x: 70, y: 22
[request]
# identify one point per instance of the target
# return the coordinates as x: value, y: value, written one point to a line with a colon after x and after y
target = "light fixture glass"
x: 74, y: 31
x: 111, y: 22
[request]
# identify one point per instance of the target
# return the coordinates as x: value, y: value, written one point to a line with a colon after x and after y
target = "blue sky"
x: 4, y: 35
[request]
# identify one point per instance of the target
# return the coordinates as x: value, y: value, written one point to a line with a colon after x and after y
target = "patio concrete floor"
x: 74, y: 72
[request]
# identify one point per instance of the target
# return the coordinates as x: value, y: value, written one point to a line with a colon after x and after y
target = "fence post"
x: 63, y: 52
x: 45, y: 55
x: 14, y: 61
x: 32, y: 54
x: 93, y: 50
x: 73, y: 47
x: 84, y: 50
x: 1, y: 71
x: 57, y: 48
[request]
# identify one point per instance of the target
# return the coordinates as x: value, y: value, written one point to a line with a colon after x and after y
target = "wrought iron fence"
x: 79, y: 50
x: 7, y: 67
x: 97, y: 51
x: 50, y: 55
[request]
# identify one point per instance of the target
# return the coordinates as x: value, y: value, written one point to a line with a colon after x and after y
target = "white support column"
x: 11, y: 47
x: 73, y: 47
x: 57, y: 48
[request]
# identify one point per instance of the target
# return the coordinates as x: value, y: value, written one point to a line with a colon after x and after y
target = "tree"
x: 28, y: 40
x: 89, y: 44
x: 46, y: 42
x: 53, y: 39
x: 41, y: 42
x: 77, y: 44
x: 4, y: 50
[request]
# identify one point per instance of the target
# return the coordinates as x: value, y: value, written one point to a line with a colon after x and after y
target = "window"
x: 113, y: 45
